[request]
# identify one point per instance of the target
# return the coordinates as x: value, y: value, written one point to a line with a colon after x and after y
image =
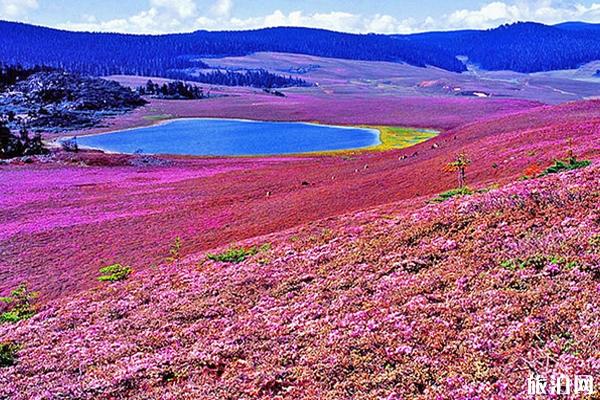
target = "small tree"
x: 459, y: 165
x: 70, y: 145
x: 567, y: 164
x: 175, y: 251
x: 12, y: 145
x: 5, y: 140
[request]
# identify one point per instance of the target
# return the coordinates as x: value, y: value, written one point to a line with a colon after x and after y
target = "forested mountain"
x: 107, y: 53
x: 578, y: 26
x: 521, y: 47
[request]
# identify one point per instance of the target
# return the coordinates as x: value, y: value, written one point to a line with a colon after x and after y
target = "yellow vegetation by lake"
x: 400, y: 138
x: 391, y: 137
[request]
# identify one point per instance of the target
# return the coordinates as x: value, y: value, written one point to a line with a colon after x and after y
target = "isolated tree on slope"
x: 459, y: 165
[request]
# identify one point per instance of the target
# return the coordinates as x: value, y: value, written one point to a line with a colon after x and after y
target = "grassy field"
x: 400, y: 138
x: 391, y: 137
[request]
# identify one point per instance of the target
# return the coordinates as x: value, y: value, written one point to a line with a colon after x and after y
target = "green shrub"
x: 114, y: 273
x: 236, y: 255
x: 8, y: 354
x: 20, y: 304
x: 566, y: 165
x: 458, y: 192
x: 538, y: 262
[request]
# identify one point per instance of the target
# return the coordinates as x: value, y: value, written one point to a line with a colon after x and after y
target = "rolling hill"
x: 395, y: 298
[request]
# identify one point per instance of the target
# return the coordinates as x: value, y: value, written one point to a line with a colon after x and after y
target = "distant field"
x: 384, y: 78
x: 441, y: 113
x: 367, y: 93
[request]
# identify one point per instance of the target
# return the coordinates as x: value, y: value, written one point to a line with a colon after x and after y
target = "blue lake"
x: 226, y: 137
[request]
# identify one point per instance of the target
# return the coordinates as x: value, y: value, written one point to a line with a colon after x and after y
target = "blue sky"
x: 381, y: 16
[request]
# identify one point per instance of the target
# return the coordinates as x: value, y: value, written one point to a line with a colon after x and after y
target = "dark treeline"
x: 172, y: 90
x: 147, y: 55
x: 521, y: 47
x: 96, y: 54
x: 21, y: 144
x: 11, y: 74
x: 253, y: 78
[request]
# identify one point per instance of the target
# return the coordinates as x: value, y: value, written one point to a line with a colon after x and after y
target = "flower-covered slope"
x: 60, y: 223
x: 461, y: 300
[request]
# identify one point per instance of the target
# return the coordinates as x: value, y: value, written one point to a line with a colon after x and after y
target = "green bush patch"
x: 566, y: 165
x: 114, y: 273
x: 538, y: 262
x: 8, y: 354
x: 237, y: 255
x: 20, y: 304
x: 458, y: 192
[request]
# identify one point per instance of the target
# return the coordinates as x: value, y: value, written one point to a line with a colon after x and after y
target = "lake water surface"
x: 226, y: 137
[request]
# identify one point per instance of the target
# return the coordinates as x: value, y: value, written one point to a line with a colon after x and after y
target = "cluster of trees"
x: 253, y: 78
x: 147, y: 55
x: 95, y: 54
x: 12, y: 145
x: 181, y: 90
x: 11, y: 74
x: 522, y: 47
x: 172, y: 90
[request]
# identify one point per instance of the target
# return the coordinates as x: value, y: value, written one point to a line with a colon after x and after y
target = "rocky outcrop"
x: 60, y: 101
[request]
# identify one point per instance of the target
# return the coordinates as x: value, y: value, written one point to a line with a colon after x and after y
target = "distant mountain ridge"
x: 522, y: 47
x: 111, y: 53
x: 578, y: 26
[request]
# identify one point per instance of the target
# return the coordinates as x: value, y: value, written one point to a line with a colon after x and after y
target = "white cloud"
x: 495, y: 13
x: 183, y: 8
x: 16, y: 8
x: 335, y: 20
x: 222, y: 8
x: 164, y: 16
